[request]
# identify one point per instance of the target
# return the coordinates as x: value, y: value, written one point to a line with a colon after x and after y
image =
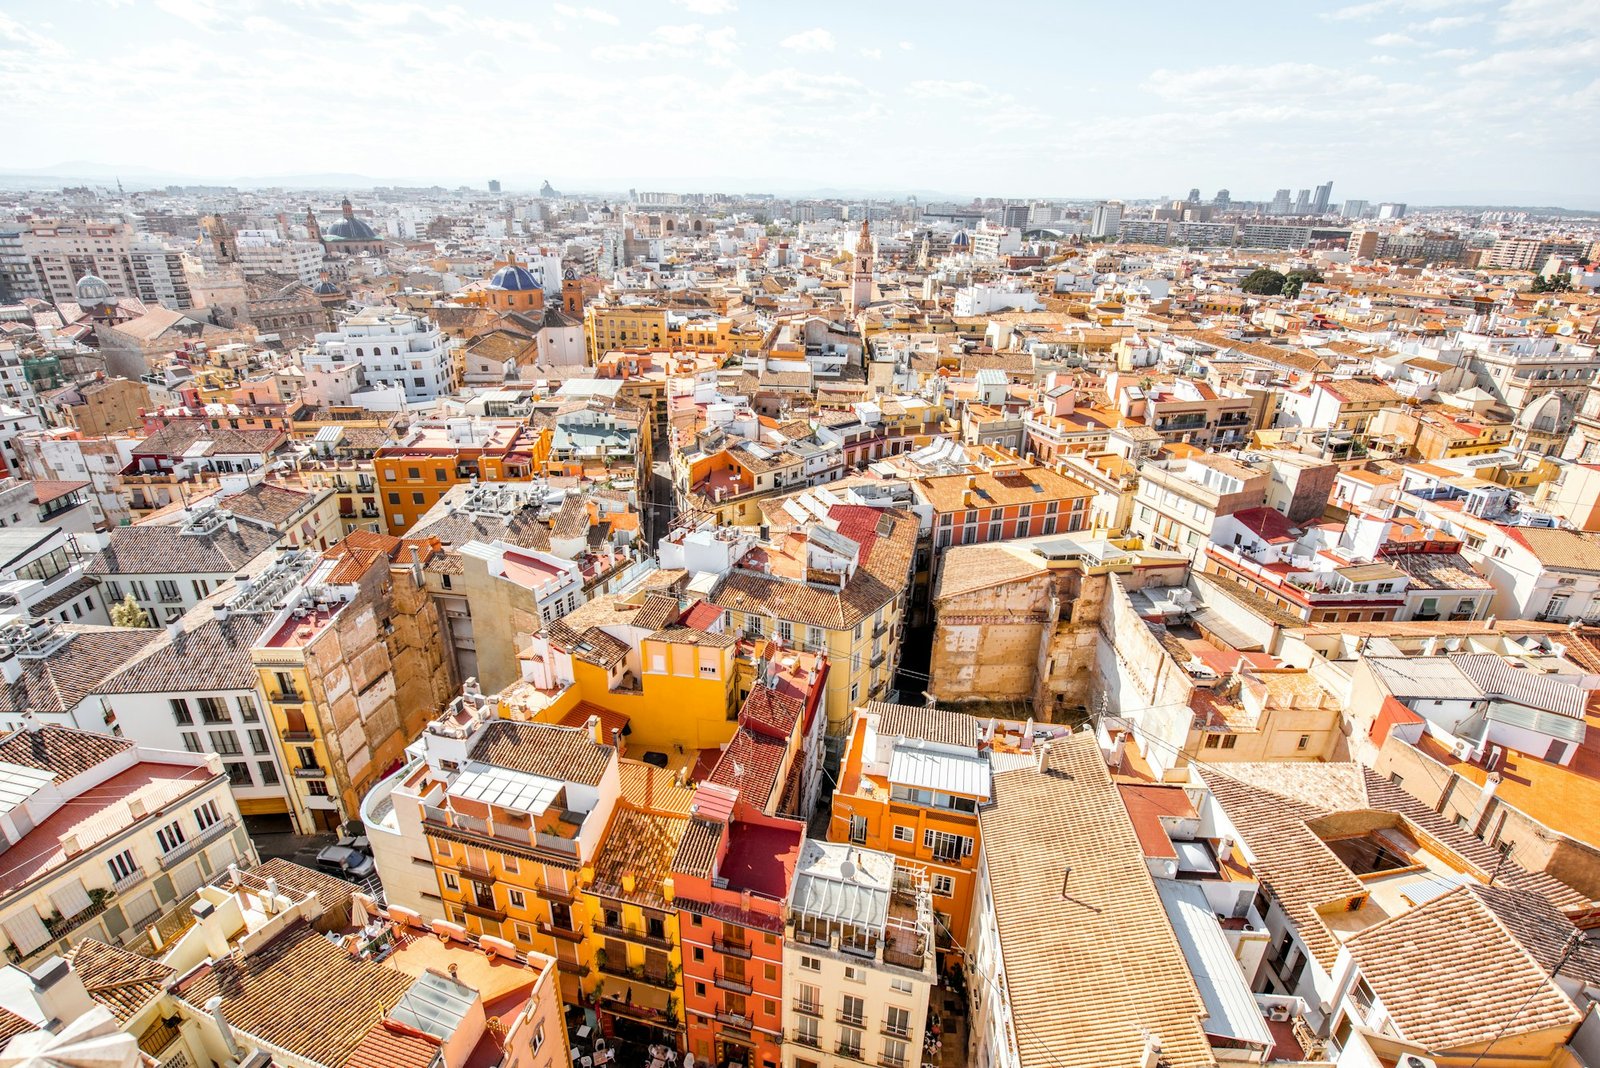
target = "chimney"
x: 210, y: 924
x: 70, y: 845
x: 272, y: 895
x: 60, y: 994
x: 1150, y: 1057
x: 596, y: 730
x: 10, y: 665
x: 214, y: 1007
x: 629, y: 881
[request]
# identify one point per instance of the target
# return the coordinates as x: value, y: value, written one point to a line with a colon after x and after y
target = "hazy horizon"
x: 1423, y: 101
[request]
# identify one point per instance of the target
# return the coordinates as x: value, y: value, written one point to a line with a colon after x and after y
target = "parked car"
x: 345, y: 862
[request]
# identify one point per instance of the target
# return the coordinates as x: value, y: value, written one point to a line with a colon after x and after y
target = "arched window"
x: 359, y: 354
x: 394, y: 350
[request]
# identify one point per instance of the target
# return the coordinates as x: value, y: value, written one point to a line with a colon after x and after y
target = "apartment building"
x: 1003, y: 501
x: 396, y: 352
x: 351, y: 665
x: 61, y: 251
x: 1177, y: 504
x: 858, y: 962
x: 911, y: 785
x: 168, y: 568
x: 417, y: 471
x: 103, y: 833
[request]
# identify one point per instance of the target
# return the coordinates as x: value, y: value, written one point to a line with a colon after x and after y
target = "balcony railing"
x: 312, y: 772
x: 895, y: 1030
x: 299, y: 736
x: 570, y: 934
x: 59, y: 926
x: 845, y: 1049
x: 634, y: 934
x: 808, y: 1008
x: 737, y: 983
x: 651, y: 976
x: 851, y: 1019
x: 734, y: 1019
x: 129, y: 881
x: 804, y: 1039
x: 732, y: 948
x: 182, y: 852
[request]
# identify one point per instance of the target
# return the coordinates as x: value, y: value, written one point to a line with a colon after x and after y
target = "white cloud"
x: 1379, y: 7
x: 906, y: 46
x: 201, y: 13
x: 816, y: 40
x: 1391, y: 40
x: 691, y: 42
x: 1452, y: 53
x: 593, y: 14
x: 1445, y: 23
x: 1524, y: 19
x: 1383, y: 61
x: 22, y: 38
x: 872, y: 53
x: 708, y: 7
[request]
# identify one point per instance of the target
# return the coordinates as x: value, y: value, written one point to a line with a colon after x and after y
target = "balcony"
x: 737, y: 983
x: 60, y: 927
x: 731, y: 948
x: 173, y: 857
x: 633, y: 934
x: 887, y: 1061
x: 880, y: 629
x: 568, y: 934
x: 299, y: 736
x: 286, y: 697
x: 803, y: 1039
x: 845, y: 1049
x: 808, y: 1008
x: 734, y: 1019
x: 476, y: 872
x: 879, y: 658
x: 894, y: 1030
x: 485, y: 912
x: 851, y: 1019
x: 128, y: 881
x: 312, y: 772
x: 667, y: 980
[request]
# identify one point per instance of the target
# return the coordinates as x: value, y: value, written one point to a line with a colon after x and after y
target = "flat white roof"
x: 928, y: 766
x: 501, y: 786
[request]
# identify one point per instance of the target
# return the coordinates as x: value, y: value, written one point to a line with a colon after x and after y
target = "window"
x: 855, y: 692
x: 450, y: 882
x: 439, y: 474
x: 944, y: 886
x: 854, y: 974
x: 1213, y: 740
x: 414, y: 474
x: 1229, y: 741
x: 317, y: 788
x: 699, y: 990
x: 249, y: 711
x: 518, y: 901
x: 394, y: 498
x: 214, y: 710
x: 388, y: 474
x: 538, y: 1034
x: 191, y: 742
x: 1305, y: 740
x: 122, y: 865
x: 1396, y: 778
x: 699, y: 953
x: 810, y: 964
x: 510, y: 865
x: 225, y: 743
x: 805, y: 1032
x: 258, y: 742
x: 180, y: 711
x: 896, y: 1020
x: 206, y: 814
x: 899, y: 985
x: 417, y: 498
x: 238, y: 773
x: 170, y: 837
x: 858, y: 830
x: 268, y: 771
x: 852, y: 1010
x: 946, y: 846
x: 904, y: 834
x: 850, y: 1042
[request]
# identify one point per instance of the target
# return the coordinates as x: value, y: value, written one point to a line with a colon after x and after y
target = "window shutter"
x: 26, y: 930
x: 70, y: 898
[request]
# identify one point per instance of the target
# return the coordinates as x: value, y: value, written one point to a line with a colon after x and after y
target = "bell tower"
x: 861, y: 271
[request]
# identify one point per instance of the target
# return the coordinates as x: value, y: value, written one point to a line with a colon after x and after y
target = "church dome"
x: 961, y: 240
x: 92, y: 289
x: 351, y: 228
x: 514, y: 276
x: 324, y: 288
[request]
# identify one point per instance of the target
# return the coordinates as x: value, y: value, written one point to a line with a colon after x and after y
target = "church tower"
x: 861, y: 272
x: 313, y: 228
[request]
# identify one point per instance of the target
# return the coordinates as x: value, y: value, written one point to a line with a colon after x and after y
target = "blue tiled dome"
x: 324, y: 288
x: 92, y: 289
x: 514, y: 276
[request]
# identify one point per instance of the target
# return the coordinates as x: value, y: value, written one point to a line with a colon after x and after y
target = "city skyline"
x: 1413, y: 100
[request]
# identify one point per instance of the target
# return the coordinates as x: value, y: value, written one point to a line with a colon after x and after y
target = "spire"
x: 864, y: 242
x: 349, y: 212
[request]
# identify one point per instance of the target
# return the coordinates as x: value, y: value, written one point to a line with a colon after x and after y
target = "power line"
x: 1575, y: 940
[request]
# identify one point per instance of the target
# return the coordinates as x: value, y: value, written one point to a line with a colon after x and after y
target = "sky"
x: 1427, y: 101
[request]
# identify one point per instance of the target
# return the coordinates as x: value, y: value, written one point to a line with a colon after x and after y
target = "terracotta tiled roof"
x: 930, y: 724
x: 393, y: 1045
x: 751, y: 764
x: 121, y: 981
x: 1565, y: 550
x: 64, y: 752
x: 301, y: 993
x: 565, y: 753
x: 1100, y: 968
x: 149, y: 549
x: 770, y: 712
x: 58, y: 682
x: 640, y: 844
x: 1450, y: 976
x: 212, y: 656
x: 968, y: 568
x: 697, y: 850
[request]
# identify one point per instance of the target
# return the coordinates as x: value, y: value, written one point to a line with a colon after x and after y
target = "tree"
x: 1263, y: 281
x: 1555, y: 284
x: 1295, y: 281
x: 127, y: 613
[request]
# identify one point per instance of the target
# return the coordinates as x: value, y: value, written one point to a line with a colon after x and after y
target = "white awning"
x: 70, y: 898
x: 26, y: 930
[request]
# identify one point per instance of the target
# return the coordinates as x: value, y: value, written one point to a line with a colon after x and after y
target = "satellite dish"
x: 847, y: 868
